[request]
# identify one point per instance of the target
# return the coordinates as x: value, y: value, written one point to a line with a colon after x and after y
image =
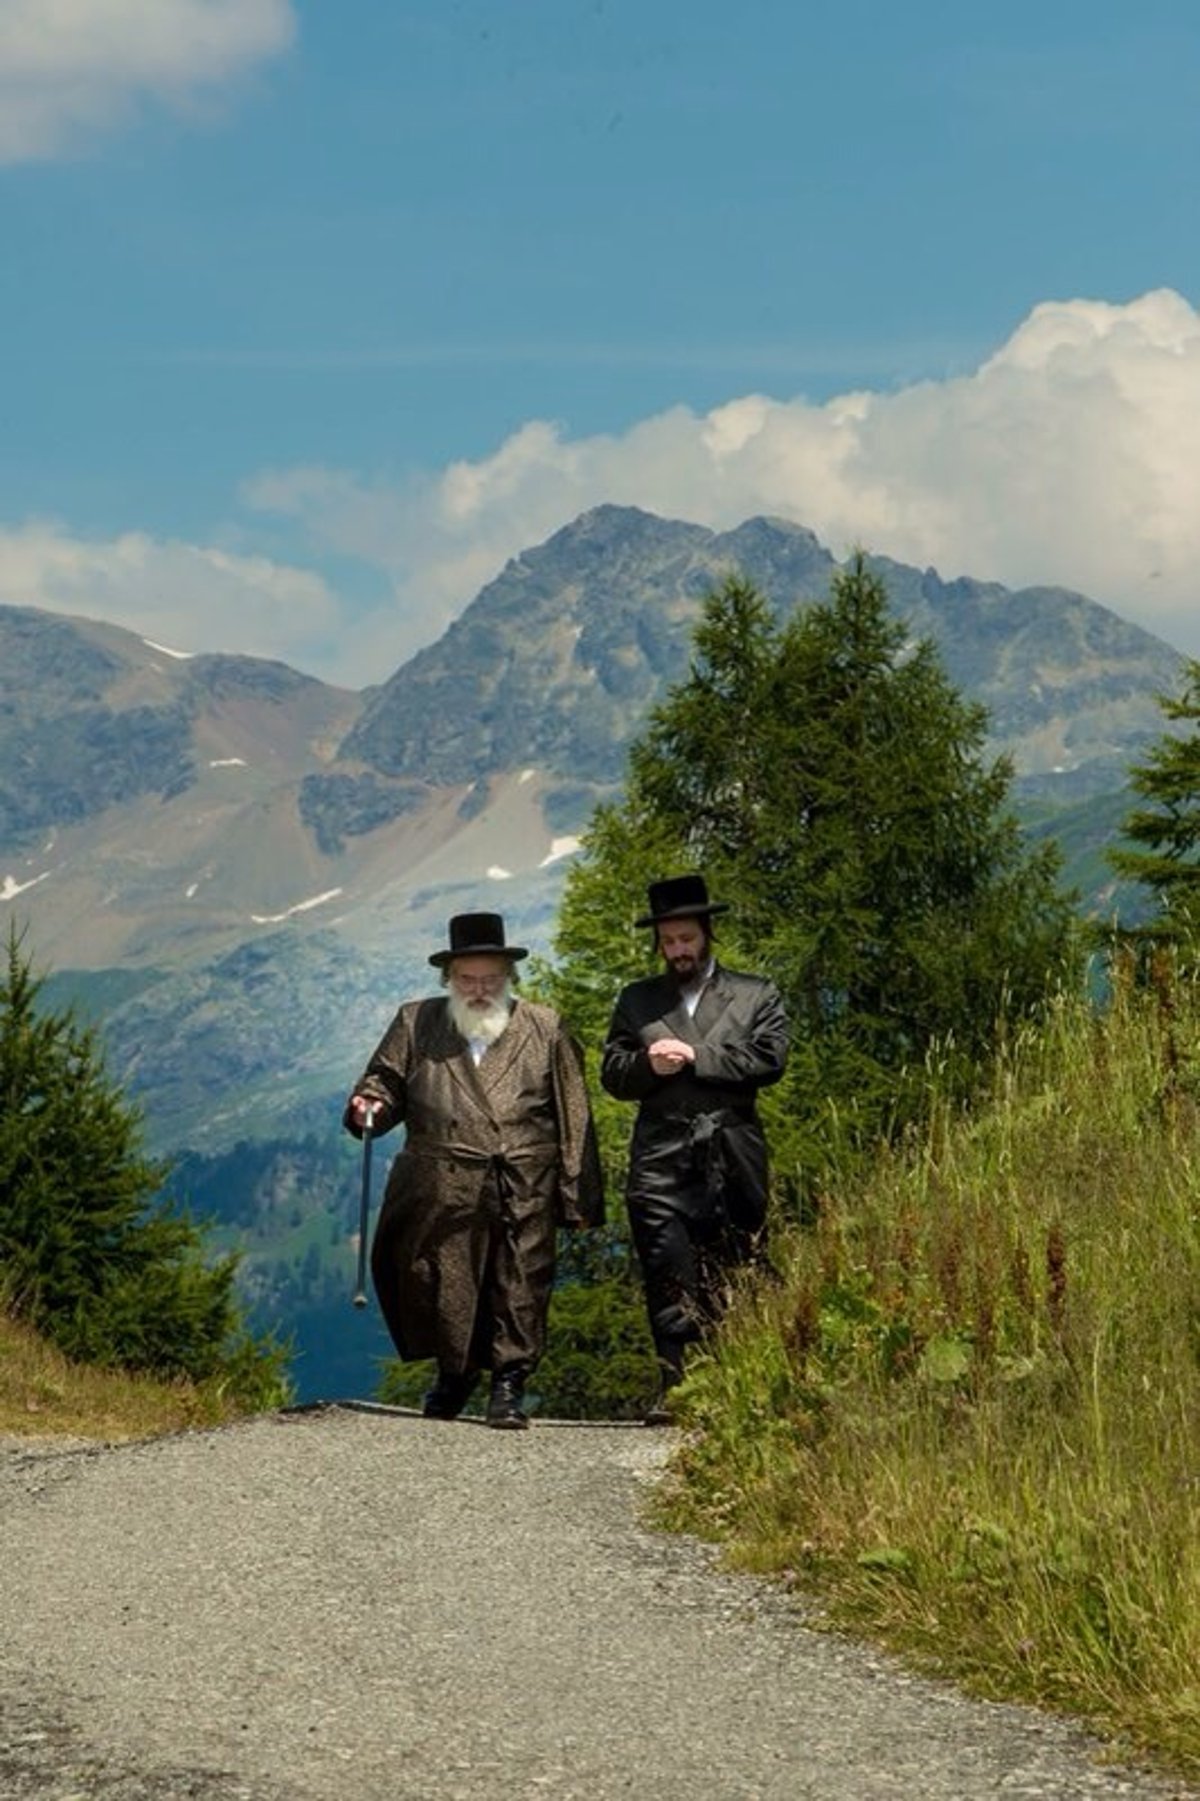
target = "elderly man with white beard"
x: 500, y: 1151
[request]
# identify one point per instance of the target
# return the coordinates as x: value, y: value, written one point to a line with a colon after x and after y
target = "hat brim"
x: 692, y: 910
x: 514, y: 953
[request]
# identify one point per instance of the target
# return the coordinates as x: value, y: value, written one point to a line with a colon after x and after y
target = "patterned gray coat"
x: 496, y: 1157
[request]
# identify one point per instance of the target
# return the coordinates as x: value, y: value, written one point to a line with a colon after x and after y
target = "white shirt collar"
x: 691, y: 994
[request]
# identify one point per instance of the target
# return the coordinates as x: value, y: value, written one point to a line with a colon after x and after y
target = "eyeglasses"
x: 479, y: 984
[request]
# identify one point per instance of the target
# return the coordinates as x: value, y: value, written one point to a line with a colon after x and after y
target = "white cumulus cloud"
x: 184, y: 595
x: 71, y: 68
x: 1070, y: 457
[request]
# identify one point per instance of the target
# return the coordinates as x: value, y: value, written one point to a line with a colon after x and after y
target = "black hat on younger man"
x: 679, y: 897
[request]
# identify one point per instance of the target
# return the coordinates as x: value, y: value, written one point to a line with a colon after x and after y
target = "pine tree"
x: 831, y: 783
x: 90, y: 1255
x: 1168, y: 827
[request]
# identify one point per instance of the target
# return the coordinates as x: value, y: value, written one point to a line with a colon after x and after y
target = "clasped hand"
x: 669, y: 1055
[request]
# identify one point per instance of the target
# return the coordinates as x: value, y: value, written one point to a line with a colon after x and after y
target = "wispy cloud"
x: 188, y: 596
x: 1070, y: 456
x: 70, y: 69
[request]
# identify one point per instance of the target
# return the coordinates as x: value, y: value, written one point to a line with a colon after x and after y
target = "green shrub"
x: 92, y: 1259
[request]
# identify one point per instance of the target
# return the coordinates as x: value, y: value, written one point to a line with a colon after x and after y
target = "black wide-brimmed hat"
x: 477, y: 935
x: 679, y: 897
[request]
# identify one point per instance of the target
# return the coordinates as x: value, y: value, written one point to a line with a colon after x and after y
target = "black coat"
x: 697, y: 1144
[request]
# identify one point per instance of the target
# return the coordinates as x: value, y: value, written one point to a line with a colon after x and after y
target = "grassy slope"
x: 967, y: 1418
x: 42, y: 1395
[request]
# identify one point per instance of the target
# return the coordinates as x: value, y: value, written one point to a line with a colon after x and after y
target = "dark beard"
x: 687, y: 970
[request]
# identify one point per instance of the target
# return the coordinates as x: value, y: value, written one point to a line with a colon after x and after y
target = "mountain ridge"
x: 234, y: 833
x: 607, y: 605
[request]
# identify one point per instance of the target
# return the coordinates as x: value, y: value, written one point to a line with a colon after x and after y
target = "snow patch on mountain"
x: 559, y: 847
x: 181, y: 656
x: 10, y: 887
x: 274, y: 919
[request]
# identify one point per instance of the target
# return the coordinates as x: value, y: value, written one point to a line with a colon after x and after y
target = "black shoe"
x: 449, y: 1394
x: 670, y: 1375
x: 659, y: 1411
x: 504, y: 1407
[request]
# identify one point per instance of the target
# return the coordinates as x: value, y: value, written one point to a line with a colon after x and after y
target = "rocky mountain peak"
x: 556, y: 662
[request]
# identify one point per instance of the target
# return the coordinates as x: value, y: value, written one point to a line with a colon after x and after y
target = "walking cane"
x: 364, y: 1209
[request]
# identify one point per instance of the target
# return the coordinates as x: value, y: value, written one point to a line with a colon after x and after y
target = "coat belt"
x: 744, y: 1115
x: 444, y: 1150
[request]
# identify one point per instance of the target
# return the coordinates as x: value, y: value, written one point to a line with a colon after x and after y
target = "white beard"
x: 480, y: 1022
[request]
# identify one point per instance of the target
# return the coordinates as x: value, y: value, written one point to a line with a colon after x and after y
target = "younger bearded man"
x: 692, y: 1047
x: 500, y: 1151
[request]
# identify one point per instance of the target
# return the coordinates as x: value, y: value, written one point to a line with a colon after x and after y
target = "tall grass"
x: 969, y: 1415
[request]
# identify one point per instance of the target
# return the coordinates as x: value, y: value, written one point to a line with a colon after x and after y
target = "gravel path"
x: 362, y: 1606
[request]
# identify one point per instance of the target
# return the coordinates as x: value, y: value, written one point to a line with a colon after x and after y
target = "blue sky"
x: 314, y: 314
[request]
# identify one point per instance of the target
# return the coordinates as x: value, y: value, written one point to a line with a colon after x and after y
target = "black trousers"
x: 687, y: 1259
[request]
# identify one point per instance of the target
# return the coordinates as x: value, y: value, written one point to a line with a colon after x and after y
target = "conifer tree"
x: 1167, y: 828
x: 88, y: 1254
x: 831, y: 783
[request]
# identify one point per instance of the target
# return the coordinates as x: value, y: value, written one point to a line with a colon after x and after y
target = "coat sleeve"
x: 755, y: 1054
x: 580, y: 1179
x: 385, y: 1079
x: 625, y: 1066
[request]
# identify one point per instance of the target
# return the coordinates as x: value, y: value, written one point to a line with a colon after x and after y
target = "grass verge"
x: 968, y: 1417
